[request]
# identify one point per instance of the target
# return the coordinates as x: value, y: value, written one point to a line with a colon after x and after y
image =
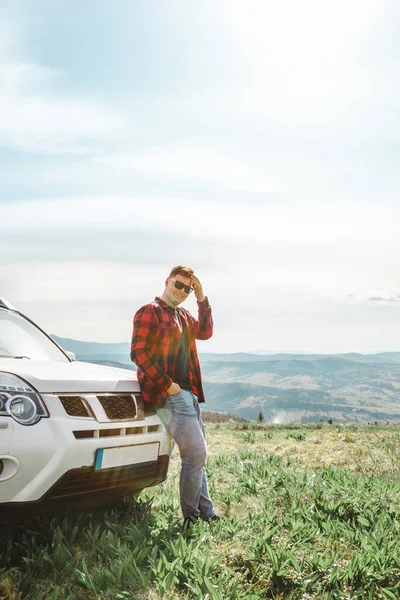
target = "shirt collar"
x: 162, y: 303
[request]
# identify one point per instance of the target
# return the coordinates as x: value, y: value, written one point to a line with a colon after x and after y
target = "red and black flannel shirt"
x: 155, y: 345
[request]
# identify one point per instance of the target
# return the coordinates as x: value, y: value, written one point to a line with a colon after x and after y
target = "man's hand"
x: 198, y: 288
x: 173, y: 389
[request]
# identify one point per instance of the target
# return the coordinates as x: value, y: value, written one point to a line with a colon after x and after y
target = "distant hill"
x: 93, y: 348
x: 382, y: 357
x: 286, y: 387
x: 120, y: 351
x: 305, y: 390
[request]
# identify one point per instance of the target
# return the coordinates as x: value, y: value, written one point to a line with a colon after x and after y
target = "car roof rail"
x: 5, y: 304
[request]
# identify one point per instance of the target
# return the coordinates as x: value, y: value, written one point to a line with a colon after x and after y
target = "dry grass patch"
x: 357, y: 448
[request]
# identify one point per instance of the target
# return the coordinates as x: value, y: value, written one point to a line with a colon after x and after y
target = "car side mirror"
x: 71, y: 355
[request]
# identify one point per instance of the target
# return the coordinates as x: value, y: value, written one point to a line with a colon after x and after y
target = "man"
x: 164, y: 350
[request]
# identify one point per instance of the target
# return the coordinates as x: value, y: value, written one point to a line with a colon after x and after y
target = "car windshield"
x: 19, y: 338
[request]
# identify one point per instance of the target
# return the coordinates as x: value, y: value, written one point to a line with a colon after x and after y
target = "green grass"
x: 294, y: 528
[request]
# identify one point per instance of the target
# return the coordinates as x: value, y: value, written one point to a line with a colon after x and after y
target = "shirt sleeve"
x: 203, y: 326
x: 145, y: 328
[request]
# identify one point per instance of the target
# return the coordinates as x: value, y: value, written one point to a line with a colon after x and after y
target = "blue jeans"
x: 181, y: 417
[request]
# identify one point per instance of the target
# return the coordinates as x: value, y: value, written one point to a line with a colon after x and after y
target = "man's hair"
x: 181, y: 270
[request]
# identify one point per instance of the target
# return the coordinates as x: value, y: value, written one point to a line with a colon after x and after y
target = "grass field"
x: 309, y: 512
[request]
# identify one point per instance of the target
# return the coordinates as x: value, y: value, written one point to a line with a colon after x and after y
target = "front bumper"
x: 54, y: 460
x: 86, y: 487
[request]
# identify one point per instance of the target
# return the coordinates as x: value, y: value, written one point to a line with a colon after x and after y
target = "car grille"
x: 116, y: 407
x: 119, y: 408
x: 75, y: 406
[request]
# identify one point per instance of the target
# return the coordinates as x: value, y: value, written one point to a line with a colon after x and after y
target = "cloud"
x: 208, y: 164
x: 291, y: 71
x: 76, y: 281
x: 278, y: 219
x: 388, y: 295
x: 36, y: 120
x: 129, y: 248
x: 34, y: 117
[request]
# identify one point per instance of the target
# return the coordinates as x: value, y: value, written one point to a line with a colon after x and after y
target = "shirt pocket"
x: 167, y: 333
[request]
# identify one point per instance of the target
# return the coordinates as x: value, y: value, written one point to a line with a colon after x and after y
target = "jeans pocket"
x: 181, y: 404
x: 175, y: 400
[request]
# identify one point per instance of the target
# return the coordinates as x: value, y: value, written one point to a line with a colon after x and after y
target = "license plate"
x: 126, y: 455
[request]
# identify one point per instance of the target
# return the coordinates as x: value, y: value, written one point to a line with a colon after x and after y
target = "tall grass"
x: 289, y: 532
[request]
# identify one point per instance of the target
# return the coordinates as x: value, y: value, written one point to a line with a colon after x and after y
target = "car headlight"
x: 20, y: 401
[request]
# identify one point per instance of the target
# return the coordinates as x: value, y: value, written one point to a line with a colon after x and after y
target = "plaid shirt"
x: 155, y: 345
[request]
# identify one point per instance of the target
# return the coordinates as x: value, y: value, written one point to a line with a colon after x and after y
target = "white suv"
x: 71, y: 433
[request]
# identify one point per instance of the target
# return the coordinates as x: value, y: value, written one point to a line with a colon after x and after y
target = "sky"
x: 253, y: 140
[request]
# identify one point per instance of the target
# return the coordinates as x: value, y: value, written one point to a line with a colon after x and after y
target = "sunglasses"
x: 181, y: 286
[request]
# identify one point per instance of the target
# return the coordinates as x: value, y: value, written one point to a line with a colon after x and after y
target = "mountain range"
x: 286, y: 387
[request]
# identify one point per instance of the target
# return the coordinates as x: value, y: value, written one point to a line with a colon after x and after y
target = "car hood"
x: 53, y: 377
